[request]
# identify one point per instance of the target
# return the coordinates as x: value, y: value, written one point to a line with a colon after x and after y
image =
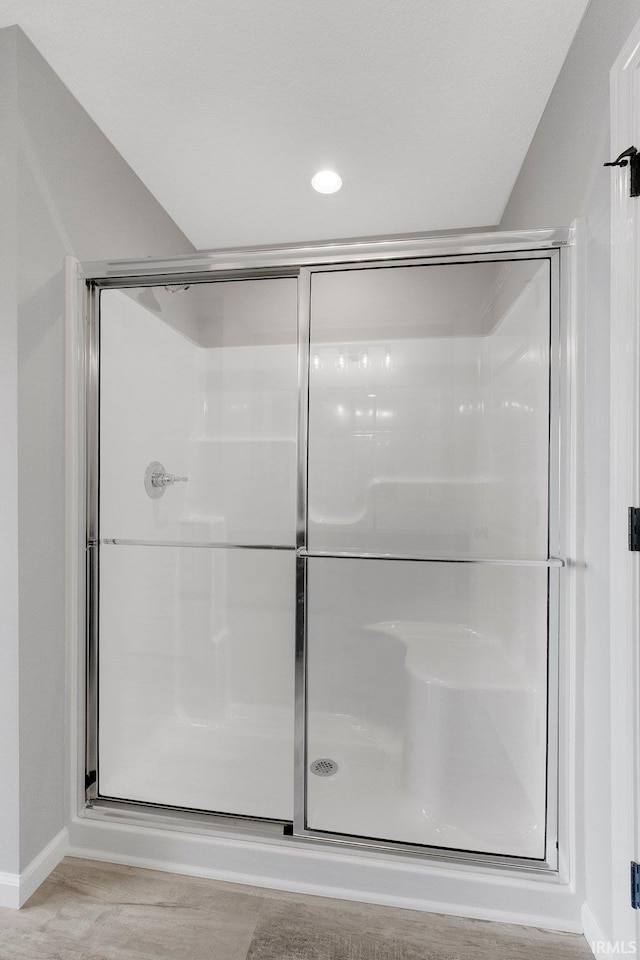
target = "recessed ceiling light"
x: 326, y: 181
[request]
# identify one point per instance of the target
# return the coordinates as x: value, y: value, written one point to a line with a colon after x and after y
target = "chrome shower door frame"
x: 554, y: 564
x: 302, y: 261
x: 93, y: 279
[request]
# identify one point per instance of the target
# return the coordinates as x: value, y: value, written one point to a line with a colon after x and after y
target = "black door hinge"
x: 634, y: 528
x: 635, y: 885
x: 629, y: 157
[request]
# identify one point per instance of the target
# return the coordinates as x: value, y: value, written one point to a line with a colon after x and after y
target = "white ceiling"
x: 225, y: 108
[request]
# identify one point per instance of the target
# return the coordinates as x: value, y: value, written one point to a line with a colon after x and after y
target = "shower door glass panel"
x: 429, y: 444
x: 426, y: 685
x: 429, y: 410
x: 204, y: 381
x: 197, y: 580
x: 196, y: 678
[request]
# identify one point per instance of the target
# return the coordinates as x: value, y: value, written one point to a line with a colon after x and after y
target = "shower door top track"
x: 276, y: 260
x: 302, y: 262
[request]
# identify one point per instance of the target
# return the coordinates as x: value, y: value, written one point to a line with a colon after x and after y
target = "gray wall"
x: 561, y: 169
x: 9, y: 798
x: 76, y: 195
x: 562, y: 178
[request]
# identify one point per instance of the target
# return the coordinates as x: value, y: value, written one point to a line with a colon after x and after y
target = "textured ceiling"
x: 225, y: 108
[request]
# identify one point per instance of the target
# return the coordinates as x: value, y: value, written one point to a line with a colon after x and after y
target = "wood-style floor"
x: 98, y: 911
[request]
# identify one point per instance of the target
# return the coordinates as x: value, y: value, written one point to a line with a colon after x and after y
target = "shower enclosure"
x: 324, y: 541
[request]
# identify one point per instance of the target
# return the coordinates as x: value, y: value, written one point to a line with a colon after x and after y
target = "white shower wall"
x: 429, y: 434
x: 247, y: 453
x: 225, y: 416
x: 151, y: 409
x: 515, y: 400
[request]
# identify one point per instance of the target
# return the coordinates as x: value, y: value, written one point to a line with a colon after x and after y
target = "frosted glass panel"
x: 427, y: 687
x: 204, y: 381
x: 429, y: 410
x: 196, y: 678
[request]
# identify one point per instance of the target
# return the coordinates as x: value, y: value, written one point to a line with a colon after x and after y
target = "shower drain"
x: 324, y: 767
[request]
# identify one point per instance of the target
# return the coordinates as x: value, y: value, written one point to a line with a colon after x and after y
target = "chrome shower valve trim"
x: 156, y: 479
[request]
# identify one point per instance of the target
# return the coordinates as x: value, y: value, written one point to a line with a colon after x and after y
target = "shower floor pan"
x: 466, y: 768
x: 243, y: 766
x: 240, y: 765
x: 371, y: 796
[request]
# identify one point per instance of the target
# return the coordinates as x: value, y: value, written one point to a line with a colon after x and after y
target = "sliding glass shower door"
x: 198, y: 402
x: 428, y: 570
x: 324, y: 538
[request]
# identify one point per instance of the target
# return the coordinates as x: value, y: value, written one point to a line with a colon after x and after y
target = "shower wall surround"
x: 343, y: 626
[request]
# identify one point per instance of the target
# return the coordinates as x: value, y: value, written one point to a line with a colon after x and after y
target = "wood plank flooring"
x: 99, y: 911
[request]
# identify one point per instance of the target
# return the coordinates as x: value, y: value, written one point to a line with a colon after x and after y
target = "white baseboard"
x: 42, y: 865
x: 598, y: 942
x: 327, y: 872
x: 16, y: 888
x: 10, y: 890
x: 593, y: 932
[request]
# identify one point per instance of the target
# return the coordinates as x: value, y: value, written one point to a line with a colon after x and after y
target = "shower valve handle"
x: 166, y: 479
x: 156, y: 479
